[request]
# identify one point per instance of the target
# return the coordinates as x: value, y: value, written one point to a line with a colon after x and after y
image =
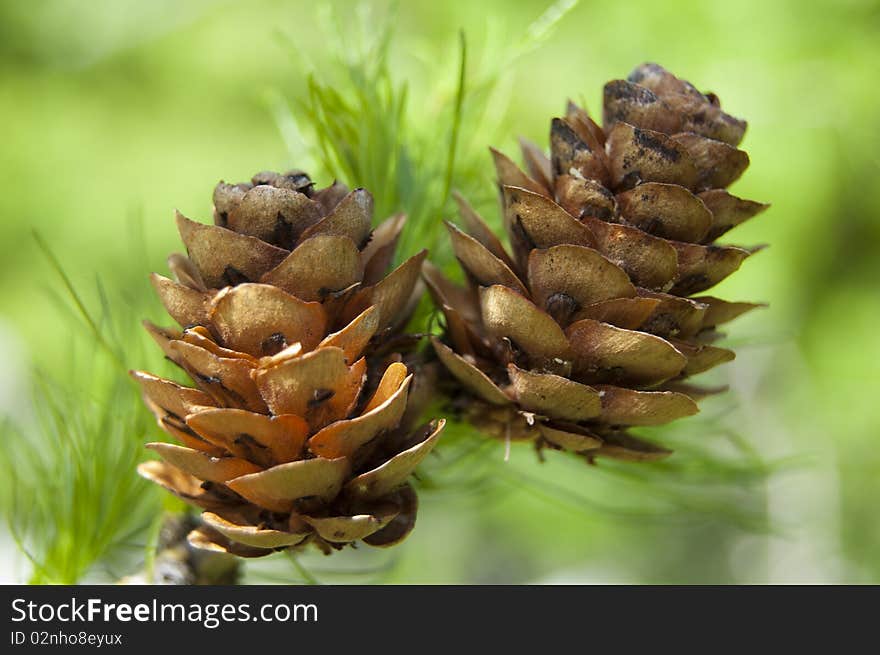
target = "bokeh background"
x: 116, y: 112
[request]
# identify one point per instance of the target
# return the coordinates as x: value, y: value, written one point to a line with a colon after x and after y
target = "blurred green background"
x: 116, y: 112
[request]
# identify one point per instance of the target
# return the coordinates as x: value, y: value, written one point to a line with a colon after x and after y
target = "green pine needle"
x: 73, y: 502
x: 77, y: 300
x: 456, y: 119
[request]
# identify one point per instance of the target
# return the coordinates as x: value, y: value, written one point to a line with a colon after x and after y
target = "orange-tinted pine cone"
x: 294, y: 431
x: 591, y: 325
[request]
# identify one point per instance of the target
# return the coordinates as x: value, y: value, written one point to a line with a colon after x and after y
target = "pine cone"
x: 586, y: 330
x: 295, y: 433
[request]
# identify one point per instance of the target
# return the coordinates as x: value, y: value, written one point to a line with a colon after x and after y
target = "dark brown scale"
x: 521, y: 233
x: 649, y: 141
x: 300, y: 182
x: 631, y: 179
x: 321, y: 396
x: 562, y: 308
x: 215, y: 387
x: 691, y: 284
x: 256, y: 452
x: 661, y: 325
x: 283, y: 235
x: 571, y: 139
x: 273, y: 344
x: 222, y: 492
x: 234, y: 277
x: 601, y: 212
x: 174, y: 421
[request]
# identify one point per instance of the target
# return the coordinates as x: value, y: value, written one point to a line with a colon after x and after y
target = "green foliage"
x: 409, y: 149
x: 73, y: 504
x: 75, y: 507
x: 715, y: 475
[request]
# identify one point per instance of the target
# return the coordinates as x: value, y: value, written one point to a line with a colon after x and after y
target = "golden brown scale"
x: 586, y: 330
x: 295, y: 432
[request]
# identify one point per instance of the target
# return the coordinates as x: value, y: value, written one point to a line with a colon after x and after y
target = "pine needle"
x: 307, y: 577
x: 457, y: 117
x: 74, y: 504
x: 76, y: 298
